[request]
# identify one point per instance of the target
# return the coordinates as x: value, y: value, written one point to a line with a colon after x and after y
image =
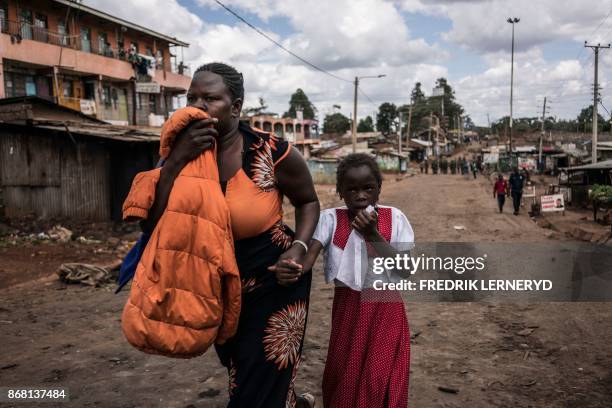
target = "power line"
x: 368, y: 98
x: 310, y: 64
x: 600, y: 24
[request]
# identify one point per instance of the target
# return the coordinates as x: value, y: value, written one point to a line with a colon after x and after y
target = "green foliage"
x: 423, y: 106
x: 601, y: 193
x: 298, y: 101
x: 336, y: 123
x: 585, y: 120
x: 451, y: 107
x: 365, y: 125
x: 582, y: 124
x: 386, y: 118
x: 417, y: 94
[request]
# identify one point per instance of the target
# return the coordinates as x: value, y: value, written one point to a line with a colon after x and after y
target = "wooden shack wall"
x: 53, y: 176
x: 128, y: 159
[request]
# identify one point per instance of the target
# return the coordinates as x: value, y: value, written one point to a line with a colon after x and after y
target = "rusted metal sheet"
x: 29, y: 160
x: 22, y: 200
x: 57, y: 173
x: 85, y: 181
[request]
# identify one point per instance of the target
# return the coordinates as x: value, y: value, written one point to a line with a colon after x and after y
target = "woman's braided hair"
x: 357, y: 160
x: 231, y: 77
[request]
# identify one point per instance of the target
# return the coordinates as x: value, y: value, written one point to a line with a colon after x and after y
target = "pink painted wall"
x: 2, y: 95
x: 35, y: 52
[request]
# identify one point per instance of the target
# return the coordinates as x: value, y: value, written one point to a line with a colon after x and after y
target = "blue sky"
x: 466, y: 41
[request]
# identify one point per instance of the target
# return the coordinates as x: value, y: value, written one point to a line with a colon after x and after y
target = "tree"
x: 299, y: 101
x: 256, y: 110
x: 365, y: 125
x: 386, y: 117
x: 336, y: 123
x: 417, y: 94
x: 585, y: 120
x: 451, y: 108
x: 468, y: 123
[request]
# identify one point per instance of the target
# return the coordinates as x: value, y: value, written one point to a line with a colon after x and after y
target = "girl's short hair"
x: 357, y: 160
x: 231, y: 77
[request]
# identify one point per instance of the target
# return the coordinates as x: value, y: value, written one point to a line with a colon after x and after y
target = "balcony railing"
x: 25, y: 31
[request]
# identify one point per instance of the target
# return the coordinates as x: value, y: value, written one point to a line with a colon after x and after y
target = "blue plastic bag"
x: 130, y: 262
x: 128, y: 267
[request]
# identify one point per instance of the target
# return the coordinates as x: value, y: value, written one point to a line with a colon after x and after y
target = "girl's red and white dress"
x: 368, y: 359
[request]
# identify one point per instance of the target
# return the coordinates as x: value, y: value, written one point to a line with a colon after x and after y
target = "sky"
x: 466, y: 41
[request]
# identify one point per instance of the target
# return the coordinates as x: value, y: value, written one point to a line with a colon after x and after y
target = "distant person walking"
x: 474, y: 168
x: 465, y: 167
x: 516, y: 182
x: 500, y: 189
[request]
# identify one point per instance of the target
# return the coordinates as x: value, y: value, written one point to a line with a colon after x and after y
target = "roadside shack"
x: 58, y: 163
x: 580, y: 179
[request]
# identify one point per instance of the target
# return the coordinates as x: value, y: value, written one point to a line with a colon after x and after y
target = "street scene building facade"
x: 90, y: 61
x: 292, y: 129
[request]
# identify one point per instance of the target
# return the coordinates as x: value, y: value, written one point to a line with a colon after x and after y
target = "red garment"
x: 368, y: 359
x: 501, y: 187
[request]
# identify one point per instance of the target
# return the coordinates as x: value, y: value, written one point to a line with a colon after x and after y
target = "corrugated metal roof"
x: 602, y: 165
x: 112, y: 132
x: 83, y: 8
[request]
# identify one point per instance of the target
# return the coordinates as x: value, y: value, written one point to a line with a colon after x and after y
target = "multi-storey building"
x: 88, y: 60
x: 292, y: 129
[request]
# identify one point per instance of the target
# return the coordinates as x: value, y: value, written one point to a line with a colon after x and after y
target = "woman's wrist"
x: 300, y: 243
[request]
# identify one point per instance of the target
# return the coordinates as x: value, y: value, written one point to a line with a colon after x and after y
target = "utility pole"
x: 399, y: 134
x: 542, y: 134
x: 595, y: 99
x: 512, y: 21
x: 354, y: 128
x: 430, y: 125
x: 408, y: 127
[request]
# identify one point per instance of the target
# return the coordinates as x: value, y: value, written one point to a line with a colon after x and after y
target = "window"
x: 68, y: 90
x: 149, y: 51
x: 30, y: 85
x: 25, y: 20
x: 85, y: 39
x: 89, y: 91
x: 159, y: 59
x: 9, y: 84
x: 3, y: 16
x: 152, y: 104
x: 120, y: 49
x: 134, y: 47
x: 106, y: 96
x: 40, y: 28
x: 62, y: 30
x: 102, y: 41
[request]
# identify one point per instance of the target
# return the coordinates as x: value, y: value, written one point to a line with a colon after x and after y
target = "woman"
x: 256, y: 170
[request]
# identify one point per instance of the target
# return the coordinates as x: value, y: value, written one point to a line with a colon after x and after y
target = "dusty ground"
x: 54, y: 335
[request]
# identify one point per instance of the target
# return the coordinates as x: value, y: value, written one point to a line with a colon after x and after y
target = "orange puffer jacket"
x: 186, y: 290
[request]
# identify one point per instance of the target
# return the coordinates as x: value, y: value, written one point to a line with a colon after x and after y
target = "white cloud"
x: 564, y: 83
x: 481, y: 24
x: 370, y: 37
x: 344, y: 33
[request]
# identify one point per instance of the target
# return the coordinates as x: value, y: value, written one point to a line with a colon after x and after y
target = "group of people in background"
x: 513, y: 187
x: 461, y: 166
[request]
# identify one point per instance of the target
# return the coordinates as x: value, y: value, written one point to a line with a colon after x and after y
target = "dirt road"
x: 493, y: 355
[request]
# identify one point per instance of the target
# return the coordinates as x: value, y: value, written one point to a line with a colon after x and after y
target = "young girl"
x: 368, y: 358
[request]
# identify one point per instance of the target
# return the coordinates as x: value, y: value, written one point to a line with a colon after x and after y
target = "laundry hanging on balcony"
x: 143, y: 64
